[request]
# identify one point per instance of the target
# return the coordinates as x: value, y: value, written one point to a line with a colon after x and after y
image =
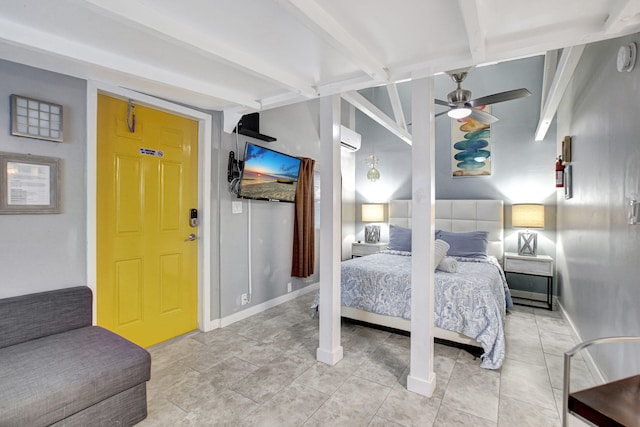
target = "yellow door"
x: 147, y: 184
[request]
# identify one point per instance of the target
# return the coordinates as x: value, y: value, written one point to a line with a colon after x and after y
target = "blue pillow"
x: 399, y: 238
x: 472, y: 244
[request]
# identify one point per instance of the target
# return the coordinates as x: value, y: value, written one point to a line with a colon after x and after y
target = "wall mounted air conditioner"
x: 350, y: 139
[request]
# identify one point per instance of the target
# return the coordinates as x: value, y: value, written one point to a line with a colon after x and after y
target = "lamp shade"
x: 527, y: 216
x: 372, y: 212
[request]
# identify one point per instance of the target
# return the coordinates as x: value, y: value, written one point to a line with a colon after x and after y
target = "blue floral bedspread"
x: 472, y: 301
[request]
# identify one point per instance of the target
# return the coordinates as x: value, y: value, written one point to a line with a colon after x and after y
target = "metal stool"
x: 611, y: 404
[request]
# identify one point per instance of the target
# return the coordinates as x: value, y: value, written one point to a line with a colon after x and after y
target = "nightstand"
x: 540, y: 265
x: 362, y: 249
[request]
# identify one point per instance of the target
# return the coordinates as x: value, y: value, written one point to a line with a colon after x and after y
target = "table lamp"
x: 527, y: 216
x: 372, y: 213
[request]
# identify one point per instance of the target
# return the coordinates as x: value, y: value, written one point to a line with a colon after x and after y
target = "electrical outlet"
x: 289, y: 287
x: 244, y: 299
x: 236, y: 207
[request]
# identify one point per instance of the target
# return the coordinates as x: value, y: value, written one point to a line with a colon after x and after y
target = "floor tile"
x: 553, y: 324
x: 291, y: 407
x: 162, y: 413
x: 514, y: 412
x: 473, y: 390
x: 355, y: 403
x: 526, y: 382
x: 554, y: 343
x: 525, y: 348
x: 224, y: 408
x: 384, y: 365
x: 581, y: 377
x: 409, y: 409
x: 229, y: 372
x: 450, y: 417
x: 381, y: 422
x: 270, y: 379
x: 262, y: 371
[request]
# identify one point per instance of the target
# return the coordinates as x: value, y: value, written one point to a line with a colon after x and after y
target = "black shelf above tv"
x: 249, y: 125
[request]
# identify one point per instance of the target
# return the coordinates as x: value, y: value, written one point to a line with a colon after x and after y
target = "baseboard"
x: 256, y: 309
x: 211, y: 325
x: 591, y: 364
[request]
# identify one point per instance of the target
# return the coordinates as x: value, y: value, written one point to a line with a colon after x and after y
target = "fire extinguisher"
x: 559, y: 173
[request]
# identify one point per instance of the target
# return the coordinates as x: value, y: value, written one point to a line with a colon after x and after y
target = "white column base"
x: 329, y: 357
x: 422, y: 386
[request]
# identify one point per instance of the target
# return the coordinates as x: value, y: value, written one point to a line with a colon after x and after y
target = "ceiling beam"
x: 169, y: 27
x: 624, y: 14
x: 347, y: 85
x: 476, y: 31
x: 338, y: 36
x: 550, y: 66
x: 566, y: 66
x: 377, y: 115
x: 398, y: 112
x: 60, y: 47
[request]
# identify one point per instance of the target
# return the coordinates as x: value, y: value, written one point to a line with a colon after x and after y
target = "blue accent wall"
x: 523, y: 170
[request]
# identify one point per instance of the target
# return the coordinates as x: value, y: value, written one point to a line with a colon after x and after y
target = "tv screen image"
x: 268, y: 175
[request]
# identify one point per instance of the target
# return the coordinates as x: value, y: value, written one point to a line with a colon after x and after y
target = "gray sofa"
x: 58, y: 369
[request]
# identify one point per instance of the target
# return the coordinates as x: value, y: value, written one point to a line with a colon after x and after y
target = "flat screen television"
x: 268, y: 175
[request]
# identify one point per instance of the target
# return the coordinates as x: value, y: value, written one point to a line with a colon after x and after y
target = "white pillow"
x: 440, y: 251
x: 448, y: 264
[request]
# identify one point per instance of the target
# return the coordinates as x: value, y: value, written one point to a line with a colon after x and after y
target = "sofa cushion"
x: 28, y: 317
x: 50, y: 378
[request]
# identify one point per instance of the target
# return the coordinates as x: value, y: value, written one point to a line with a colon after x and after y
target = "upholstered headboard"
x: 458, y: 216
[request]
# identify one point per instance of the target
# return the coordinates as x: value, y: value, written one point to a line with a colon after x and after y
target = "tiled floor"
x: 262, y: 372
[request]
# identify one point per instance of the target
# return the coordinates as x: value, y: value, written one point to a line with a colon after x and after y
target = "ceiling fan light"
x: 459, y: 113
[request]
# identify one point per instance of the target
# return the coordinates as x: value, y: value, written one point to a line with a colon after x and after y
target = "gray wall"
x: 598, y: 266
x: 45, y: 252
x: 522, y: 169
x: 296, y: 129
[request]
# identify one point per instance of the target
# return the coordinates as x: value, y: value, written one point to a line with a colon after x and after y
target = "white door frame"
x: 204, y: 189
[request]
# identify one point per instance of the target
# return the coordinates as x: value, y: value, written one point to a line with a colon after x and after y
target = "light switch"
x: 236, y: 207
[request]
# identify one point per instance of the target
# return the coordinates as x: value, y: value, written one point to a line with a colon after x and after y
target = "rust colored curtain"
x: 303, y: 225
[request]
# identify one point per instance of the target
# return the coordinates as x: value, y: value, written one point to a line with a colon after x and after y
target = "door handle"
x: 191, y: 238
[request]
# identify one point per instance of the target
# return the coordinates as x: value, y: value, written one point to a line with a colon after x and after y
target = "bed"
x: 470, y: 304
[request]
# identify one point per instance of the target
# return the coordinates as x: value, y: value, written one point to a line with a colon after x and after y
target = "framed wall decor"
x: 566, y: 149
x: 568, y: 182
x: 36, y: 119
x: 29, y: 184
x: 470, y: 147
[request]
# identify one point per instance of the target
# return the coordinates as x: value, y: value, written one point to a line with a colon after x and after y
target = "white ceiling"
x: 247, y: 55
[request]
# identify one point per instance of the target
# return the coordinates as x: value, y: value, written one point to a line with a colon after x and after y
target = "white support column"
x: 422, y: 379
x: 330, y: 350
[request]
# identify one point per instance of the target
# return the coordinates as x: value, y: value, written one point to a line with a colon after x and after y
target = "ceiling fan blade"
x: 439, y: 114
x: 482, y: 116
x: 499, y: 97
x: 445, y: 103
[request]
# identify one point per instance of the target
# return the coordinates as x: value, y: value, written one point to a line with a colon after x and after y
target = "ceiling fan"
x: 461, y: 105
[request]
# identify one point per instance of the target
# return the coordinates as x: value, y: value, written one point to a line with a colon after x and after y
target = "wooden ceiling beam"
x: 377, y: 115
x: 168, y: 26
x: 71, y: 50
x: 566, y: 66
x: 475, y: 28
x: 623, y: 15
x: 338, y: 36
x: 398, y: 112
